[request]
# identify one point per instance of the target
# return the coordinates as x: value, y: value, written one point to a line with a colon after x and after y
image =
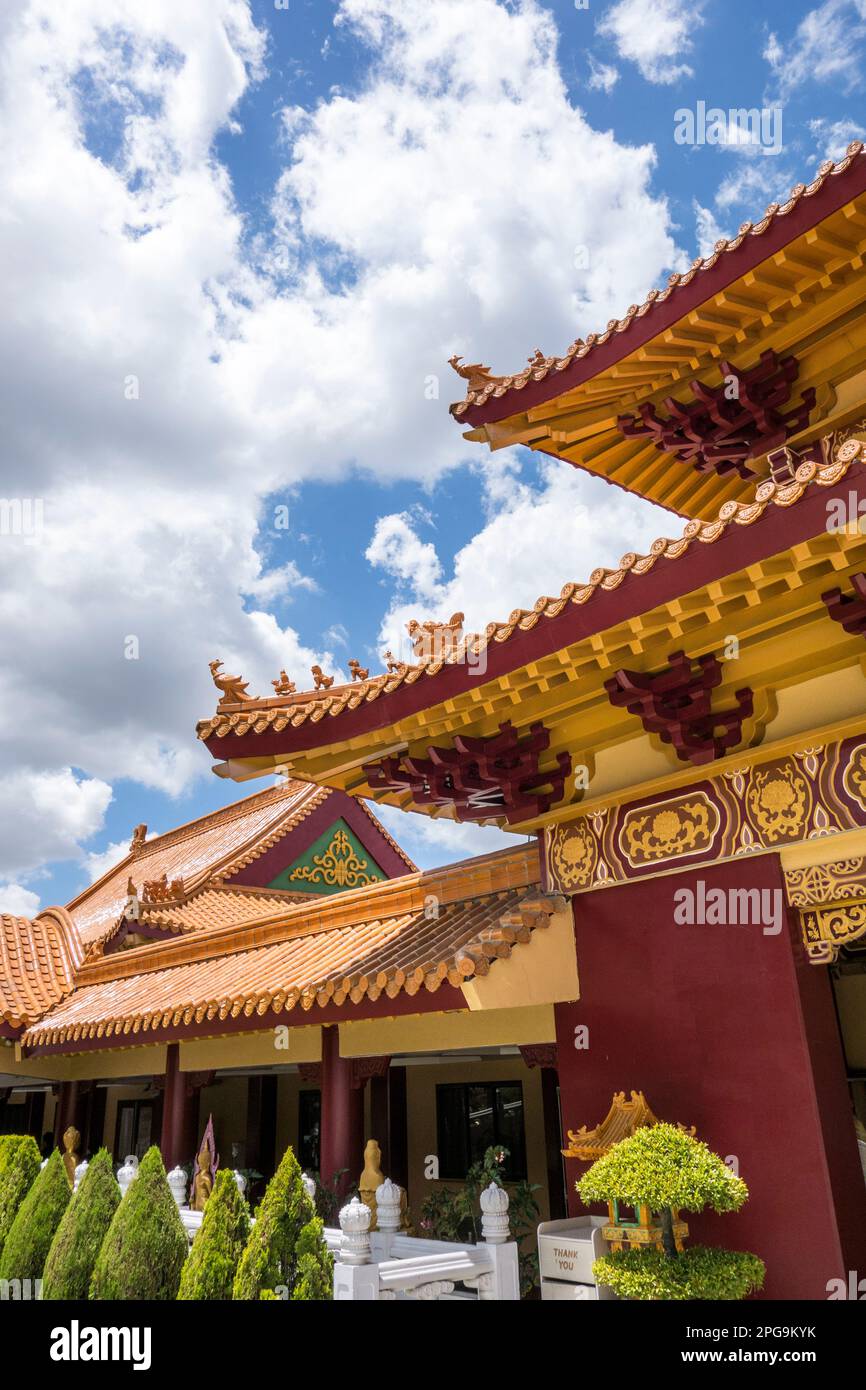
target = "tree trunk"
x: 668, y: 1241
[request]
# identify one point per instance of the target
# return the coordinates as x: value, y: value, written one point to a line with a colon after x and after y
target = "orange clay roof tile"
x: 218, y: 844
x: 38, y: 962
x: 541, y: 367
x: 347, y: 963
x: 277, y: 714
x: 375, y: 940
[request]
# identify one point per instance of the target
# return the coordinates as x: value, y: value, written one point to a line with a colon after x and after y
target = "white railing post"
x: 177, y: 1183
x: 355, y: 1277
x: 127, y: 1174
x: 388, y: 1199
x: 503, y: 1282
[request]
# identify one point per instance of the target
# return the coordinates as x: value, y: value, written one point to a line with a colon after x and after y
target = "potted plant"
x: 665, y: 1170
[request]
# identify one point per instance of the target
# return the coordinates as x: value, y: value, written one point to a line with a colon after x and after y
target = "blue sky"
x: 278, y: 223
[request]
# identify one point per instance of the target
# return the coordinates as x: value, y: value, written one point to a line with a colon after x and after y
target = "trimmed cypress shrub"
x: 20, y: 1162
x: 31, y: 1233
x: 81, y: 1232
x: 315, y: 1276
x: 219, y: 1243
x: 270, y: 1258
x: 144, y: 1249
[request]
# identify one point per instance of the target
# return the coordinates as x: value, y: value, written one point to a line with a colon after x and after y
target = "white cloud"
x: 46, y: 815
x: 537, y: 538
x: 654, y: 35
x: 397, y: 549
x: 827, y: 46
x: 433, y: 842
x: 98, y: 862
x: 707, y: 229
x: 18, y: 901
x: 603, y: 77
x: 125, y: 257
x: 834, y: 137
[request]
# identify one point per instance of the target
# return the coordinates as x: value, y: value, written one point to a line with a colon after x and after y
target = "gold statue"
x: 71, y: 1158
x: 202, y: 1182
x: 373, y: 1177
x: 204, y: 1172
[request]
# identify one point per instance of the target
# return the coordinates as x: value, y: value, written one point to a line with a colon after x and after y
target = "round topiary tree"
x: 31, y: 1233
x: 219, y: 1243
x: 666, y: 1169
x: 20, y: 1162
x: 270, y: 1258
x: 145, y: 1246
x: 314, y: 1281
x: 81, y: 1232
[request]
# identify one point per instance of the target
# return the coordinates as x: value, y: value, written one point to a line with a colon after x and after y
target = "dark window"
x: 476, y: 1117
x: 309, y: 1124
x: 134, y: 1131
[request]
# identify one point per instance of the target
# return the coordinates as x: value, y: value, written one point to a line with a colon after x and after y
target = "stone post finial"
x: 355, y: 1226
x: 388, y: 1199
x: 177, y: 1183
x: 309, y: 1186
x: 240, y: 1181
x: 79, y: 1174
x: 494, y: 1215
x: 127, y: 1173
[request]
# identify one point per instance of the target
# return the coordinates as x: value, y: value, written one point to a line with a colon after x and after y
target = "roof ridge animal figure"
x: 323, y: 682
x: 358, y: 672
x: 234, y: 688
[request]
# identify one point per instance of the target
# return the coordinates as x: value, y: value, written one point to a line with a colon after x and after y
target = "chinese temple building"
x: 682, y: 740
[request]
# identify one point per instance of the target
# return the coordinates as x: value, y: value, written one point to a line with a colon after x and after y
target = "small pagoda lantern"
x: 629, y: 1228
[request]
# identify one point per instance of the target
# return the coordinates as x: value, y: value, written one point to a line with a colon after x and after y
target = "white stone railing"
x: 386, y: 1265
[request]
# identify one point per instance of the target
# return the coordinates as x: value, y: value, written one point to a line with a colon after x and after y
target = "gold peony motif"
x: 778, y: 802
x: 573, y: 855
x: 665, y: 827
x: 686, y: 826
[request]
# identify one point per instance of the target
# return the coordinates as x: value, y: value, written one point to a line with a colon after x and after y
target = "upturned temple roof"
x: 383, y: 939
x: 787, y: 292
x: 204, y: 852
x: 181, y: 888
x: 278, y: 714
x: 38, y: 963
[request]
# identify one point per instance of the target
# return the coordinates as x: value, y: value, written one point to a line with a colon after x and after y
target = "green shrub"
x: 666, y: 1168
x: 20, y: 1162
x: 219, y: 1243
x: 698, y: 1272
x: 81, y: 1232
x: 315, y: 1276
x: 270, y: 1257
x: 144, y: 1250
x: 31, y: 1233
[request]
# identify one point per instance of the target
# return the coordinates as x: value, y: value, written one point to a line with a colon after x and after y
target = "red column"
x: 176, y: 1111
x: 66, y: 1110
x: 342, y: 1137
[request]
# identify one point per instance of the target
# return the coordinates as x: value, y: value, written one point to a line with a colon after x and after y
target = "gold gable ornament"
x: 338, y: 867
x: 640, y: 1230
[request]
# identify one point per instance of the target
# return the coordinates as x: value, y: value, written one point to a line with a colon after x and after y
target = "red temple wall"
x: 734, y: 1032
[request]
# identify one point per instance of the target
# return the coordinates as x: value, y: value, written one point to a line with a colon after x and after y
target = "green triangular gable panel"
x: 332, y: 864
